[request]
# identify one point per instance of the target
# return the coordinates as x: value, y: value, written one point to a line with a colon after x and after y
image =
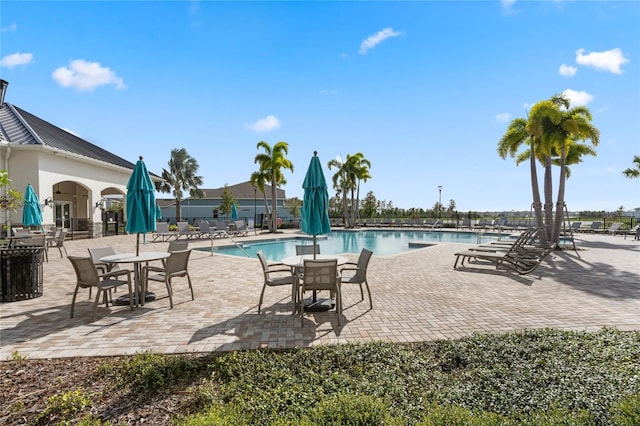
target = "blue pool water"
x: 381, y: 242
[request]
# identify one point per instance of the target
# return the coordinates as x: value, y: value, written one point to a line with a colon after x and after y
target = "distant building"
x: 250, y: 205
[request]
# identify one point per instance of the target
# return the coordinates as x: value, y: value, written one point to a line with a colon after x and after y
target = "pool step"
x: 418, y: 244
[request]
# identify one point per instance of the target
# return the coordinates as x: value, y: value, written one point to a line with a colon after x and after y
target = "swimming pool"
x: 381, y: 242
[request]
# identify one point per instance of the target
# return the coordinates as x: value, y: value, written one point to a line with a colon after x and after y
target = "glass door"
x: 63, y: 215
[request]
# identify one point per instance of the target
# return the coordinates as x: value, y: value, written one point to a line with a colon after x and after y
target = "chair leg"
x: 261, y: 296
x: 170, y: 291
x: 190, y: 286
x: 369, y: 293
x: 73, y: 300
x: 95, y: 305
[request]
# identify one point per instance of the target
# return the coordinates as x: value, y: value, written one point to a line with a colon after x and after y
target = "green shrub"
x: 350, y: 410
x: 627, y: 411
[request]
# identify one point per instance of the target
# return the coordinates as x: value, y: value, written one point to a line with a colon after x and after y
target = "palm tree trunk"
x: 548, y: 198
x: 178, y: 209
x: 345, y: 213
x: 535, y: 190
x: 557, y: 225
x: 266, y: 210
x: 273, y: 225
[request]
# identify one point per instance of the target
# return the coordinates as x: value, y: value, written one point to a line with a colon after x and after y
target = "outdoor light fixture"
x: 100, y: 204
x: 48, y: 201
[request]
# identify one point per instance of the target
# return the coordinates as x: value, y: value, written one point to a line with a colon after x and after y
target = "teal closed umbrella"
x: 141, y: 203
x: 234, y: 211
x: 158, y: 212
x: 315, y: 207
x: 31, y: 213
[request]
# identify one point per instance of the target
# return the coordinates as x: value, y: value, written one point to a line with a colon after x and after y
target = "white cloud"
x: 16, y: 59
x: 11, y: 28
x: 328, y: 91
x: 507, y: 4
x: 379, y: 37
x: 567, y: 70
x: 609, y: 60
x: 503, y: 117
x: 578, y: 98
x: 83, y: 75
x: 265, y: 124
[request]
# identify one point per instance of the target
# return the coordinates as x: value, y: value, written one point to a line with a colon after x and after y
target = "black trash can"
x: 20, y: 273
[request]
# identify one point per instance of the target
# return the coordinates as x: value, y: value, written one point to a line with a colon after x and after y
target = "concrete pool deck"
x: 416, y: 296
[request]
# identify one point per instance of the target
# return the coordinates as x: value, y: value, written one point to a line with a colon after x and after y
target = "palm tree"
x: 340, y: 183
x: 520, y: 132
x: 574, y: 126
x: 633, y: 172
x: 272, y: 162
x: 358, y: 167
x: 258, y: 180
x: 180, y: 177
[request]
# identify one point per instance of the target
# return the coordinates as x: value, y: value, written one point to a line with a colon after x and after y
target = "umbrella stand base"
x: 319, y: 305
x: 124, y: 299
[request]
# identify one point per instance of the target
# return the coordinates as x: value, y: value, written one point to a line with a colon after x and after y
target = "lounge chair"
x: 185, y: 230
x: 613, y: 229
x: 240, y: 229
x: 520, y: 257
x: 595, y: 226
x: 162, y: 232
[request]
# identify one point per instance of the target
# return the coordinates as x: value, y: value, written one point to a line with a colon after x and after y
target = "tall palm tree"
x: 258, y: 180
x: 518, y: 134
x: 575, y: 126
x: 181, y: 177
x: 272, y: 162
x: 340, y: 183
x: 358, y: 168
x: 633, y: 172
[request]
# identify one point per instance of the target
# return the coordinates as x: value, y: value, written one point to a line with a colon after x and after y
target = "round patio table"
x: 137, y: 260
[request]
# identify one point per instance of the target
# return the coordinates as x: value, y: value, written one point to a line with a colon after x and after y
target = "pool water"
x: 381, y: 242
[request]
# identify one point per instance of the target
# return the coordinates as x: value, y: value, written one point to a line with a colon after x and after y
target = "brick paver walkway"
x: 417, y: 296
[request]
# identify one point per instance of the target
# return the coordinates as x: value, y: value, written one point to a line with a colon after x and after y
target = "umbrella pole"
x: 138, y: 244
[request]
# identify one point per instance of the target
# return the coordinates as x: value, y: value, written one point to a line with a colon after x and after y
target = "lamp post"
x: 439, y: 201
x: 255, y: 206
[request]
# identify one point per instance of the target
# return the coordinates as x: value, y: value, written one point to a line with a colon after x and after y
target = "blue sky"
x: 424, y: 90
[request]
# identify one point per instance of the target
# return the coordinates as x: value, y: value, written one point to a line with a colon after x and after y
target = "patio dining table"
x: 137, y: 261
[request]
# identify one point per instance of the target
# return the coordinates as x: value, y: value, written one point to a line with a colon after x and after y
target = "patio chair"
x: 87, y: 276
x: 178, y: 245
x: 97, y: 254
x: 36, y: 240
x: 221, y: 230
x: 102, y: 267
x: 275, y: 275
x: 319, y: 275
x: 302, y: 249
x: 356, y: 273
x: 58, y: 241
x: 175, y: 266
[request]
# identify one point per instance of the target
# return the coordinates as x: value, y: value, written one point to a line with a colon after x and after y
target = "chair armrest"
x: 153, y: 268
x: 287, y: 270
x: 117, y: 273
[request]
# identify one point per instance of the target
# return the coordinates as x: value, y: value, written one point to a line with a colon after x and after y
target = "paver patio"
x: 416, y: 296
